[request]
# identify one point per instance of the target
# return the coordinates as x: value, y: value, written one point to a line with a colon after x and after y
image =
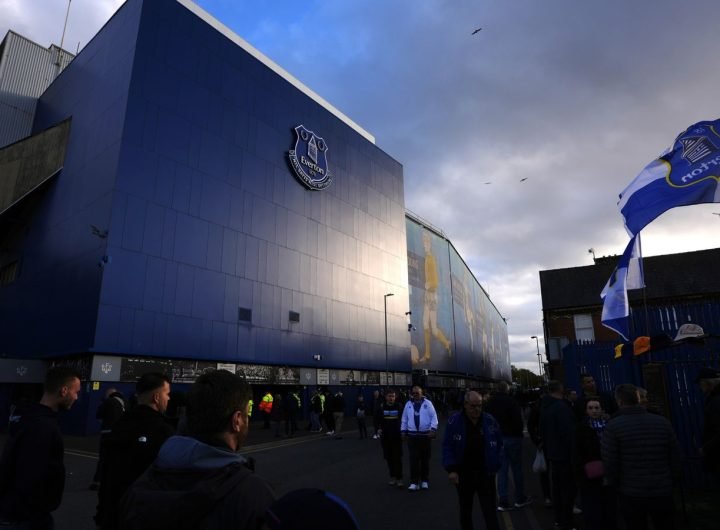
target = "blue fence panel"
x: 680, y: 366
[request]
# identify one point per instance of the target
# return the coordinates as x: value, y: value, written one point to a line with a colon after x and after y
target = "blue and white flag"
x: 686, y: 174
x: 628, y: 274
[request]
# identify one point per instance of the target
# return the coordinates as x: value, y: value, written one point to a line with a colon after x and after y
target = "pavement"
x: 351, y: 468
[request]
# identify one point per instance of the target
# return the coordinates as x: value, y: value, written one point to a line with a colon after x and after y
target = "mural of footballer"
x: 430, y: 326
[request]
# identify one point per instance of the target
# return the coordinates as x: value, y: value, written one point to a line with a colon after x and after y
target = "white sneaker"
x: 413, y: 487
x: 375, y: 436
x: 424, y: 485
x: 392, y: 482
x: 330, y: 433
x: 576, y: 510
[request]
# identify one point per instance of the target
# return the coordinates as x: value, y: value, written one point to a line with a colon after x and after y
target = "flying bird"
x: 524, y: 179
x: 476, y: 31
x: 102, y: 234
x: 487, y: 182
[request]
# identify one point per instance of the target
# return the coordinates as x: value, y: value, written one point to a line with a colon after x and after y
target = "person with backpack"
x: 200, y: 481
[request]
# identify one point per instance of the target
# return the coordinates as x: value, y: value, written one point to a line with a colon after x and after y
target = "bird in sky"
x: 523, y: 179
x: 476, y: 31
x: 487, y: 182
x: 102, y: 234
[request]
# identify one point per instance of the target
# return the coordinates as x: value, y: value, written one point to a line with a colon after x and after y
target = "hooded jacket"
x: 193, y: 485
x: 32, y: 470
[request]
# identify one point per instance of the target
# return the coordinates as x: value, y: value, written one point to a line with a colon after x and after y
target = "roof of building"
x: 668, y: 276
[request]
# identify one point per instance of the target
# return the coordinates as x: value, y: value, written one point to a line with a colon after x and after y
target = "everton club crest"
x: 695, y: 157
x: 309, y: 159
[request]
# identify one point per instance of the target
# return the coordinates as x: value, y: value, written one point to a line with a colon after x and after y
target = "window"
x: 584, y: 328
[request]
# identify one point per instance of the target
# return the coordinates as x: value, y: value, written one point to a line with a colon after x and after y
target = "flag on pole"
x: 687, y: 173
x: 628, y: 274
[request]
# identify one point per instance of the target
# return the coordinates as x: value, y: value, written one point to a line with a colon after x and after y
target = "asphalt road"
x: 351, y: 468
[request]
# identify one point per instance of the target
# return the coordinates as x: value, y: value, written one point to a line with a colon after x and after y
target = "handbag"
x: 594, y: 469
x: 539, y: 464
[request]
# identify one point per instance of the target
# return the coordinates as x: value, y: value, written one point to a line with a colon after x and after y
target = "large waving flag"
x: 688, y: 173
x: 628, y: 274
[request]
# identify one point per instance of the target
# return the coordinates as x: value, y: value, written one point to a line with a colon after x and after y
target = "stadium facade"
x: 181, y: 203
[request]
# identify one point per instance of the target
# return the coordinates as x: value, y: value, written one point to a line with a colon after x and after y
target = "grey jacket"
x: 640, y: 453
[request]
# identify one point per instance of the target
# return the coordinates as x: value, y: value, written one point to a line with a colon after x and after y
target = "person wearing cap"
x: 309, y: 509
x: 472, y: 455
x: 709, y: 381
x: 200, y: 481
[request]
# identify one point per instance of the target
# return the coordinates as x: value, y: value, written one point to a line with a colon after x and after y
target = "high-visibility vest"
x: 297, y: 398
x: 250, y: 407
x: 322, y: 402
x: 266, y: 403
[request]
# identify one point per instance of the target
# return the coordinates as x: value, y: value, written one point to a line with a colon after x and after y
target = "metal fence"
x: 669, y: 376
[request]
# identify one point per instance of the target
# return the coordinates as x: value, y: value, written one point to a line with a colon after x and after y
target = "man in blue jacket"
x: 472, y: 455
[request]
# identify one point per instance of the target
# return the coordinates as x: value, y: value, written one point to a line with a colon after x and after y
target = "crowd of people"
x: 607, y: 457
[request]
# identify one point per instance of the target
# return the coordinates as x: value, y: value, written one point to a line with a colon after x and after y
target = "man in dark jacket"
x: 472, y: 448
x: 133, y: 444
x: 387, y: 420
x: 557, y: 430
x: 641, y: 457
x: 709, y: 381
x: 590, y: 391
x: 201, y: 482
x: 506, y: 410
x: 32, y: 470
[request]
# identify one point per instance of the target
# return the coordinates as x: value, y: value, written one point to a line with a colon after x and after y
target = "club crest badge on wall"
x: 309, y: 159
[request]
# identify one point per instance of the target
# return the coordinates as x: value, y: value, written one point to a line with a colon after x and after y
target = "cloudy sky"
x: 575, y: 96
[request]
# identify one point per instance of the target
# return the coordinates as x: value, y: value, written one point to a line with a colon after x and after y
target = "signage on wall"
x: 309, y: 159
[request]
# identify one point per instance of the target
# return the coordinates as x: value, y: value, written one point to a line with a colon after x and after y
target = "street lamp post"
x: 537, y: 345
x: 387, y: 375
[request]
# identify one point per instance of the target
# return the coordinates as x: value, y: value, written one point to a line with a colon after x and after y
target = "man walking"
x: 109, y: 413
x: 32, y: 469
x: 387, y: 420
x: 506, y: 411
x: 200, y: 481
x: 419, y: 426
x: 133, y: 444
x: 557, y: 430
x: 471, y: 455
x: 642, y: 460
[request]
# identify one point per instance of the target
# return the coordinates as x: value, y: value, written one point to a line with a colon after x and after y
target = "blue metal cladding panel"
x: 206, y: 202
x: 61, y: 279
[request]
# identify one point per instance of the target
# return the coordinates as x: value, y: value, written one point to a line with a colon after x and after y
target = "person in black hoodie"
x: 557, y: 430
x: 506, y: 410
x: 133, y: 444
x: 201, y: 482
x: 109, y: 413
x: 32, y: 469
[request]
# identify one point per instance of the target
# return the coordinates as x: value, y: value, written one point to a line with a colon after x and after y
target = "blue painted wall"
x: 178, y: 148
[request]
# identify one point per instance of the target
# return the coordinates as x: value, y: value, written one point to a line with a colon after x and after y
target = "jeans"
x: 512, y: 460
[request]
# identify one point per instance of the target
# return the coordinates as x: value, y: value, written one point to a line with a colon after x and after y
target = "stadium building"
x: 171, y: 199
